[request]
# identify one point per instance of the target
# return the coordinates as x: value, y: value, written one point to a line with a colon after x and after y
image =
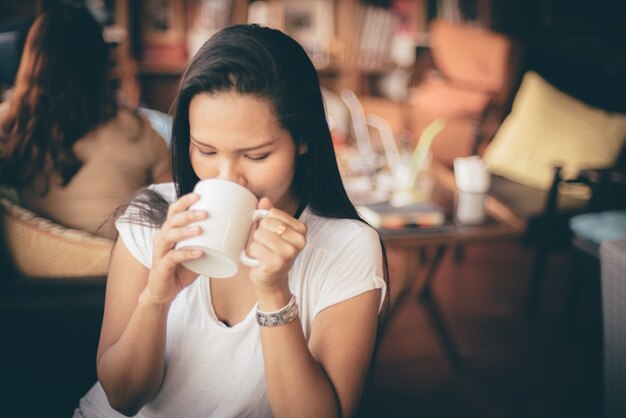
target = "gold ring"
x: 280, y: 229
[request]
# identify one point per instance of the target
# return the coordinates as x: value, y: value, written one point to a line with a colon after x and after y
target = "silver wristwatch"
x: 279, y: 317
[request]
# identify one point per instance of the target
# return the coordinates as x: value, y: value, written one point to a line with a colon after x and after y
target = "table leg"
x: 407, y: 267
x: 417, y: 285
x: 425, y: 279
x: 429, y: 302
x: 423, y: 294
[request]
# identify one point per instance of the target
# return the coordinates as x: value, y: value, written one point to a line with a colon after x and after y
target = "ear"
x: 303, y: 148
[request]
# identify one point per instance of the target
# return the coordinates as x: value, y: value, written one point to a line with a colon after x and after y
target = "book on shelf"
x: 162, y: 33
x: 385, y: 215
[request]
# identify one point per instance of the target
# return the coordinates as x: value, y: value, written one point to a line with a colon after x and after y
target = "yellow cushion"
x: 547, y: 127
x: 43, y: 249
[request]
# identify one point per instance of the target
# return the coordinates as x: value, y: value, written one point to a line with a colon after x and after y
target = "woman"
x: 249, y: 110
x: 65, y: 145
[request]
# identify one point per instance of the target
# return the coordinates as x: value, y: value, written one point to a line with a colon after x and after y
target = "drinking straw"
x: 420, y: 155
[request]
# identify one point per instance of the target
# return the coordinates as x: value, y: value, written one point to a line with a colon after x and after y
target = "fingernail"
x: 196, y: 253
x: 200, y: 213
x: 194, y: 228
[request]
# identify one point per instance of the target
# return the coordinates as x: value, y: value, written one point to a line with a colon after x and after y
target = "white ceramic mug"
x: 232, y: 210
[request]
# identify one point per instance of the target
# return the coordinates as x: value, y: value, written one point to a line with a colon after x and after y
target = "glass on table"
x: 472, y: 182
x: 362, y: 176
x: 412, y: 185
x: 469, y: 208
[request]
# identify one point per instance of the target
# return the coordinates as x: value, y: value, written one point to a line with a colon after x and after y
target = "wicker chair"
x: 37, y: 247
x: 52, y: 287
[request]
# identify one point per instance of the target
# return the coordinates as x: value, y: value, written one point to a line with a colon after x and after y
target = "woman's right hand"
x: 168, y: 277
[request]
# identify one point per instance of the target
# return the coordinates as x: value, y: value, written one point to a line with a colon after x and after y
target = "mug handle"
x: 245, y: 259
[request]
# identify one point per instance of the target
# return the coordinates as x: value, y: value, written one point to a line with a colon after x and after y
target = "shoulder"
x: 127, y: 118
x: 338, y: 236
x: 136, y: 234
x: 141, y: 202
x: 166, y: 190
x: 4, y: 110
x: 342, y: 258
x: 129, y: 124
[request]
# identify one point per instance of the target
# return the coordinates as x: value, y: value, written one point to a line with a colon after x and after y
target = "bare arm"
x: 132, y: 342
x: 131, y: 352
x: 326, y: 378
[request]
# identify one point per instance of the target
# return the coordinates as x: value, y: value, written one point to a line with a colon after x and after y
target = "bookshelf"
x: 353, y: 43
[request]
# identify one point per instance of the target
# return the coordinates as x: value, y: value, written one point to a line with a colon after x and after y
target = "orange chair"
x: 468, y: 80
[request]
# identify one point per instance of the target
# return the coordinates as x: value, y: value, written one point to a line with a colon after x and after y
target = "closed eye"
x: 257, y: 157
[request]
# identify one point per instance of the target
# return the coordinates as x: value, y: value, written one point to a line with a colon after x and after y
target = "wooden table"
x: 419, y: 271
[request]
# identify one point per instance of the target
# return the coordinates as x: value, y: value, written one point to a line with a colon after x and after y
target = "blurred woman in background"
x: 67, y: 147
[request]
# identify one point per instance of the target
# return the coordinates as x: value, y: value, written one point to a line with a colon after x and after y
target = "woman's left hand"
x: 276, y: 243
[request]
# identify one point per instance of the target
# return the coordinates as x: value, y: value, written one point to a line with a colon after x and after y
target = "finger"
x: 288, y: 220
x: 173, y: 236
x: 282, y: 247
x: 181, y: 219
x: 182, y: 204
x: 168, y: 237
x: 183, y: 254
x: 284, y: 232
x: 265, y: 203
x: 269, y: 259
x: 167, y: 264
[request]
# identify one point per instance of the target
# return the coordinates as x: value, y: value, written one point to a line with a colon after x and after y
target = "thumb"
x: 265, y: 203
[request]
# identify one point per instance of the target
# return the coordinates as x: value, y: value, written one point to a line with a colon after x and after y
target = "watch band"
x: 279, y: 317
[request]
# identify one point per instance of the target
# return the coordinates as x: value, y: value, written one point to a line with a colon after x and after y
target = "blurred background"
x: 356, y: 44
x: 409, y: 62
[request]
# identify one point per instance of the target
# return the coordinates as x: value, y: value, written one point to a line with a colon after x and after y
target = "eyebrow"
x: 247, y: 149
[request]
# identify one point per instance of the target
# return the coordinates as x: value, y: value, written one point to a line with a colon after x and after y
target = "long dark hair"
x: 62, y: 91
x: 264, y: 62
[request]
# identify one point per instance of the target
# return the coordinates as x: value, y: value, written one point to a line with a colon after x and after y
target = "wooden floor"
x: 513, y: 367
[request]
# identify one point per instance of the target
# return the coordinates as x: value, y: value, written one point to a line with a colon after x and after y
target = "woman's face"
x: 238, y: 138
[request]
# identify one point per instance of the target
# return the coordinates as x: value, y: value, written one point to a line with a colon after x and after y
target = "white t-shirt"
x: 212, y: 370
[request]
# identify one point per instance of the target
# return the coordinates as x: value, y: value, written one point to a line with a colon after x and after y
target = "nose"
x: 229, y: 170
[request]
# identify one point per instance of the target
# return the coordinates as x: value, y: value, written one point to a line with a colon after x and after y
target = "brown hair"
x: 62, y: 91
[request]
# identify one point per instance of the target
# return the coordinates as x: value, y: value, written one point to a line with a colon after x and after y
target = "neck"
x: 289, y: 203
